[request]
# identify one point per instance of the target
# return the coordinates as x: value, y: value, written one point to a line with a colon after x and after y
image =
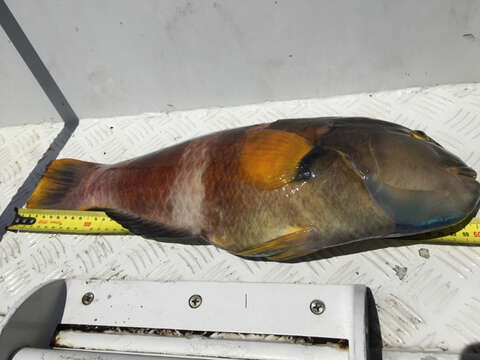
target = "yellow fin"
x: 297, y: 243
x: 61, y: 178
x: 269, y: 158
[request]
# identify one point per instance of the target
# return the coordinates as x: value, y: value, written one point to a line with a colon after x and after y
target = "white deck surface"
x: 428, y: 302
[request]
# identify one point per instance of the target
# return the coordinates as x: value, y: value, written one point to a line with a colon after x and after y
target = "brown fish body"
x: 219, y: 187
x: 198, y: 190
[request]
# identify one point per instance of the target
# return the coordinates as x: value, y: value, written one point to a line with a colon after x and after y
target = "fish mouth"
x: 463, y: 171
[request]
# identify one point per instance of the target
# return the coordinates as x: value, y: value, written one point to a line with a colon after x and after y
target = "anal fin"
x: 293, y: 245
x: 150, y: 229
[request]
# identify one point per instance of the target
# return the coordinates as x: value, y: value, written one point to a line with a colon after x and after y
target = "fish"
x: 276, y: 191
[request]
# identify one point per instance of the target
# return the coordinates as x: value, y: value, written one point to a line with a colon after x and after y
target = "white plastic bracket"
x: 247, y: 320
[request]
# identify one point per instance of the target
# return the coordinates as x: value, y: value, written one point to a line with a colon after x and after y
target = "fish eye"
x: 419, y: 134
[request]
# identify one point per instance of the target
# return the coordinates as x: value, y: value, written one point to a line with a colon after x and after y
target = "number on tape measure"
x: 65, y: 221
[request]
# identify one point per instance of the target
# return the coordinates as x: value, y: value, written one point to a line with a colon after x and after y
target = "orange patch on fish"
x: 269, y: 158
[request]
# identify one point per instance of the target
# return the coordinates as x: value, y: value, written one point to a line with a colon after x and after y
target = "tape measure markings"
x: 97, y: 222
x: 66, y: 221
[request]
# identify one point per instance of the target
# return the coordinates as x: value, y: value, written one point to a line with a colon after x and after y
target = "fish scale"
x: 97, y: 222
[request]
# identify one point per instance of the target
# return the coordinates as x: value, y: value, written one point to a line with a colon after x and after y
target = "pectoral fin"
x: 295, y: 244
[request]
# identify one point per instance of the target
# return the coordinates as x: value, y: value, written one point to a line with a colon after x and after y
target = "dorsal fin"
x: 269, y: 158
x: 150, y: 229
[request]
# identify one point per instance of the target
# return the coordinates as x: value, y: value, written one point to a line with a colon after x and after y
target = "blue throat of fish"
x: 414, y: 211
x: 429, y: 225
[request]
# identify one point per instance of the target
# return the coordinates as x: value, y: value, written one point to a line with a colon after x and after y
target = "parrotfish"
x: 277, y: 191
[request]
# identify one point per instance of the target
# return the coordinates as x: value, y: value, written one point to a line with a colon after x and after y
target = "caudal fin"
x: 60, y: 184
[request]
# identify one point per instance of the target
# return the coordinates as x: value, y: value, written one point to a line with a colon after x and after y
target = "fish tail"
x: 60, y: 185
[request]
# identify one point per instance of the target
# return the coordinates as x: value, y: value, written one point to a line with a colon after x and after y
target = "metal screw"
x: 87, y: 298
x: 317, y: 307
x: 195, y: 301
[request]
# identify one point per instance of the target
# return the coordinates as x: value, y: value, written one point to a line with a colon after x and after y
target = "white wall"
x: 22, y: 101
x: 115, y: 57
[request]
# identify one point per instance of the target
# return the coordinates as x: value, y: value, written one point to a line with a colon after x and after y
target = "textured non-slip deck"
x: 428, y: 296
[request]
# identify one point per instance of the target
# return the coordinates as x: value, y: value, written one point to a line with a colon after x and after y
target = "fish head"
x: 419, y: 184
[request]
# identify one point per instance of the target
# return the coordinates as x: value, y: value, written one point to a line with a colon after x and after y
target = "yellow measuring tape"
x: 66, y: 221
x: 470, y: 234
x: 97, y: 222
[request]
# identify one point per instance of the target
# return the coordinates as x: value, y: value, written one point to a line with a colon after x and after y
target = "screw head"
x: 87, y: 298
x: 317, y: 307
x: 195, y: 301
